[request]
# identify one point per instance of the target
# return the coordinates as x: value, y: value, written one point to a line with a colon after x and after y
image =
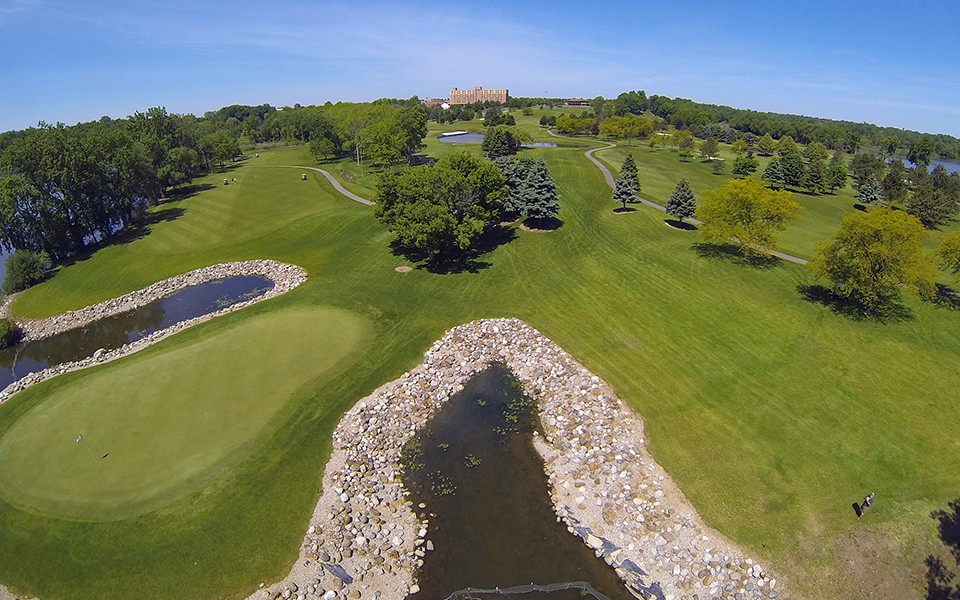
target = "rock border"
x: 366, y: 540
x: 285, y: 277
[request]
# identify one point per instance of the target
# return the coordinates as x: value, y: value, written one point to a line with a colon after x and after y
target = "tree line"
x: 64, y: 187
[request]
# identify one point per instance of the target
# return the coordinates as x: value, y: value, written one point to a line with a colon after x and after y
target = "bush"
x: 10, y: 333
x: 24, y: 269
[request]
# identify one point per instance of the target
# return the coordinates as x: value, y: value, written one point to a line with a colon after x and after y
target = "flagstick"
x: 91, y: 454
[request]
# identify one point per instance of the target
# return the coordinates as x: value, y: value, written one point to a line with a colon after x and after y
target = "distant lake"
x: 951, y: 167
x: 477, y: 138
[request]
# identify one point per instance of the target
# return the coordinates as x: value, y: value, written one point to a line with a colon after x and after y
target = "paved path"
x: 608, y: 177
x: 336, y: 185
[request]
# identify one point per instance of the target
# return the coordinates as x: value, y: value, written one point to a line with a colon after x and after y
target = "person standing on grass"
x: 867, y: 501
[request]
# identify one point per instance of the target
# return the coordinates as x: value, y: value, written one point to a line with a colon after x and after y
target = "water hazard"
x: 113, y: 332
x: 477, y: 138
x: 491, y: 517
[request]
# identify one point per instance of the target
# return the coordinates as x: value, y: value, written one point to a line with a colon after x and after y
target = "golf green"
x: 154, y: 430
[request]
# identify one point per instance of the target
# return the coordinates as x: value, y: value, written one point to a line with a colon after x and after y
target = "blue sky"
x: 891, y: 63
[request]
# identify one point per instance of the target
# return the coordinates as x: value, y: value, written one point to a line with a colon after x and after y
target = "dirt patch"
x: 403, y: 269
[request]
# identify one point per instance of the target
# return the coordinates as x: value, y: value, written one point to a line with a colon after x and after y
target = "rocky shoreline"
x: 284, y: 276
x: 366, y: 539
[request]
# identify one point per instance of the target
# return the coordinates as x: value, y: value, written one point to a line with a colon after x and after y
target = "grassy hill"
x: 772, y: 412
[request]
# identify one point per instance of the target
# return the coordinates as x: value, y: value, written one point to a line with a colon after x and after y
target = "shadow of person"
x: 857, y: 509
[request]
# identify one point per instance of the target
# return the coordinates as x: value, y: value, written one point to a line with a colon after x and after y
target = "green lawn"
x: 772, y: 412
x: 165, y: 423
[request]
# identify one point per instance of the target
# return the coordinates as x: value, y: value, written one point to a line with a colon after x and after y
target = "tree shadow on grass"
x: 940, y: 578
x: 130, y: 233
x: 946, y: 297
x: 542, y: 225
x: 682, y: 225
x: 733, y: 254
x: 888, y: 310
x: 620, y: 210
x: 459, y: 262
x: 187, y: 191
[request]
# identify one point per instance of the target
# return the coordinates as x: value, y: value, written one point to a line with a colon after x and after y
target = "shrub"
x: 10, y: 333
x: 24, y: 269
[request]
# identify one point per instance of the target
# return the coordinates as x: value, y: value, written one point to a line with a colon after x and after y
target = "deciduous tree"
x: 948, y: 252
x: 24, y: 269
x: 442, y: 210
x: 874, y: 254
x: 747, y: 213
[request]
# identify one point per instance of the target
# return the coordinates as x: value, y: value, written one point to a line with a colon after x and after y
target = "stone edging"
x: 365, y: 540
x: 284, y: 276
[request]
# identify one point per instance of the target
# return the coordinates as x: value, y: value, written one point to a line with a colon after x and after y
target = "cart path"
x: 608, y: 177
x: 337, y: 185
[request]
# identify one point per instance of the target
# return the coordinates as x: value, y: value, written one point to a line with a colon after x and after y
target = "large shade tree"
x: 442, y: 210
x: 874, y: 254
x: 745, y: 212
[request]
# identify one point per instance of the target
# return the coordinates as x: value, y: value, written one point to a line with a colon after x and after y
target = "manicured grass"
x: 772, y: 412
x: 156, y: 427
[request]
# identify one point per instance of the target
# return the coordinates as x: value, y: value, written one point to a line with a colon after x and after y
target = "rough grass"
x: 773, y: 412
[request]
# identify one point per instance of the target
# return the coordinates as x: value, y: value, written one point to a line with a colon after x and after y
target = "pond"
x: 115, y: 331
x: 951, y: 167
x: 477, y: 138
x: 491, y: 518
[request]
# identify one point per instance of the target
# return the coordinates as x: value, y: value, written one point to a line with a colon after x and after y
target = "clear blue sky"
x: 890, y: 63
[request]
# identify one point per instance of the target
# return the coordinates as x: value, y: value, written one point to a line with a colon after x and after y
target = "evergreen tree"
x: 532, y: 191
x: 837, y: 172
x: 773, y: 174
x: 539, y: 193
x: 792, y: 169
x: 893, y: 186
x: 630, y: 168
x: 743, y: 166
x: 928, y: 204
x: 627, y: 187
x: 766, y: 145
x: 681, y: 203
x: 869, y: 191
x: 709, y: 148
x: 816, y: 177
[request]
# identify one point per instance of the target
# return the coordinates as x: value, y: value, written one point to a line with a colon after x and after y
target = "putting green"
x: 157, y: 427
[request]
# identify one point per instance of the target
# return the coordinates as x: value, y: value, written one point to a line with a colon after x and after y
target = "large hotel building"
x: 478, y: 94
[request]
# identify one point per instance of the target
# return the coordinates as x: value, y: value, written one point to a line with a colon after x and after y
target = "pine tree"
x: 816, y: 177
x: 627, y: 188
x: 870, y: 191
x: 539, y: 193
x: 681, y: 203
x: 744, y: 165
x: 773, y: 174
x: 630, y: 168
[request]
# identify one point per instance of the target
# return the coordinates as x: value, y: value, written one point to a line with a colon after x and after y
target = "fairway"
x: 771, y: 412
x: 153, y: 430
